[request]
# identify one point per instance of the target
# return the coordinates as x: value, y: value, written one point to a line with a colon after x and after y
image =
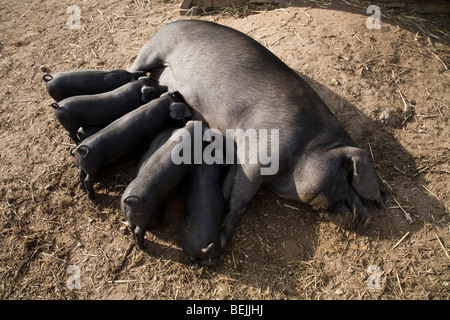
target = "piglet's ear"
x: 179, y: 111
x: 133, y: 201
x: 363, y: 179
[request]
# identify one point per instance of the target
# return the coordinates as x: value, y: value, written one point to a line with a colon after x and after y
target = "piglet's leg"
x: 74, y: 137
x: 246, y: 184
x: 139, y: 234
x: 82, y: 176
x: 89, y: 184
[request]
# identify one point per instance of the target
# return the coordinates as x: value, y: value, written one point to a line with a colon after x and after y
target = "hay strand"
x: 437, y: 57
x: 442, y: 246
x: 407, y: 215
x: 400, y: 241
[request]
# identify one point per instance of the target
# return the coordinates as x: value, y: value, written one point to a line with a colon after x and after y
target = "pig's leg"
x: 132, y: 227
x: 246, y: 184
x: 89, y: 184
x: 157, y: 217
x: 139, y: 234
x: 73, y: 135
x: 82, y: 176
x: 227, y: 183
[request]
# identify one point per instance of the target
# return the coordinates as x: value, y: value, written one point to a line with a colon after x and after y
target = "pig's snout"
x: 207, y: 257
x: 349, y: 216
x: 47, y: 77
x: 203, y: 262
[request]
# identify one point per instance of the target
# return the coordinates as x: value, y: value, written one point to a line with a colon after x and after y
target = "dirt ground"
x: 389, y: 88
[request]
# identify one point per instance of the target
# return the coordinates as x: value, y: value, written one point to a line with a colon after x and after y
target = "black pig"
x: 103, y: 108
x: 157, y: 177
x: 73, y: 83
x: 232, y: 82
x: 122, y: 136
x: 204, y: 209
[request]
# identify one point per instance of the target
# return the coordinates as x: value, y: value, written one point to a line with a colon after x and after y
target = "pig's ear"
x: 133, y: 201
x: 363, y: 178
x: 179, y: 111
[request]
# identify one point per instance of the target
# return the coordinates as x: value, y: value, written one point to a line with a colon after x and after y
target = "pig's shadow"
x: 273, y: 234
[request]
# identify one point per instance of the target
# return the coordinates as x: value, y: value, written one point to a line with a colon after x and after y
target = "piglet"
x: 73, y: 83
x: 103, y: 108
x: 122, y: 136
x: 158, y: 175
x: 204, y: 209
